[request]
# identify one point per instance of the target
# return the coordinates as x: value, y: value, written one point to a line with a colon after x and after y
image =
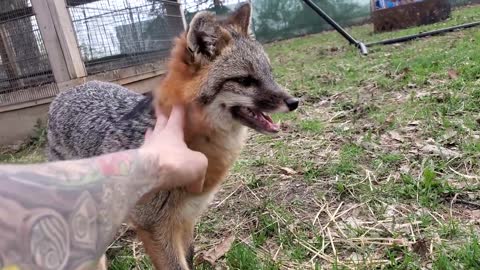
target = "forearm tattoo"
x: 63, y: 215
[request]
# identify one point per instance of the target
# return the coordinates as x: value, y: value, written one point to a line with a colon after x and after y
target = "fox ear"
x: 241, y: 19
x: 205, y: 37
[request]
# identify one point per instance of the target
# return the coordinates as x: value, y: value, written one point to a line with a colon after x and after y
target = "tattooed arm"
x: 63, y: 215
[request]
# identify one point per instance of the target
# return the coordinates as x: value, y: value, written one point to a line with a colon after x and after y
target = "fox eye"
x: 245, y: 81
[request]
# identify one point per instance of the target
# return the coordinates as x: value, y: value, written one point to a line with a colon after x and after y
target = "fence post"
x: 59, y: 38
x: 173, y: 10
x: 182, y: 13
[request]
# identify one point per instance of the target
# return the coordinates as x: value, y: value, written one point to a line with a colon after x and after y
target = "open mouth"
x: 255, y: 119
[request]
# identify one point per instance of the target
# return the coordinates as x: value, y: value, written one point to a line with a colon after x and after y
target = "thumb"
x: 176, y: 121
x: 148, y: 134
x: 197, y: 185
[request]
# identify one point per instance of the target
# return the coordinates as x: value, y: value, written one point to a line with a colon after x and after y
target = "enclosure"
x: 47, y: 46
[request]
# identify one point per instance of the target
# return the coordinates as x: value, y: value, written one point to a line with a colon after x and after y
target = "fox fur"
x: 223, y: 77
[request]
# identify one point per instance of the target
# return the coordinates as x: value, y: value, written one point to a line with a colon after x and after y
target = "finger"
x: 176, y: 121
x: 148, y: 134
x: 197, y: 186
x: 161, y: 120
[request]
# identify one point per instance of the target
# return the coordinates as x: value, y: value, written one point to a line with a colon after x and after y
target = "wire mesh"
x: 277, y: 20
x: 25, y: 72
x: 195, y: 5
x: 114, y: 34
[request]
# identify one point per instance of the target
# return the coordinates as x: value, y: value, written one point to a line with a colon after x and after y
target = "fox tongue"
x: 267, y: 122
x: 260, y: 119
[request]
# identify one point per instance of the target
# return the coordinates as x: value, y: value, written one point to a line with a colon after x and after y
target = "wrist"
x: 135, y: 169
x: 148, y: 166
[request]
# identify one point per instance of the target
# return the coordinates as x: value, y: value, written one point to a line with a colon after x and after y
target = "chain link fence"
x: 23, y: 59
x: 108, y: 36
x: 120, y: 33
x: 282, y: 19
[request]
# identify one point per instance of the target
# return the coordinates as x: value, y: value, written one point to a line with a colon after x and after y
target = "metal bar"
x: 29, y: 76
x: 79, y: 2
x: 424, y: 34
x: 113, y: 12
x: 173, y: 3
x: 16, y: 14
x: 337, y: 27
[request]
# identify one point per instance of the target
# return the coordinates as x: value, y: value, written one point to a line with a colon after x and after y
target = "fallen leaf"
x: 449, y: 134
x: 475, y: 214
x: 453, y: 74
x: 324, y: 103
x: 422, y: 94
x: 404, y: 169
x: 391, y: 211
x: 355, y: 257
x: 284, y: 126
x: 440, y: 151
x: 219, y: 250
x: 288, y: 171
x: 421, y: 247
x: 396, y: 136
x: 400, y: 241
x: 354, y: 222
x: 412, y: 85
x: 370, y: 146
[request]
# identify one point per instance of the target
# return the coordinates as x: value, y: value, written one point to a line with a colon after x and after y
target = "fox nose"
x: 292, y: 103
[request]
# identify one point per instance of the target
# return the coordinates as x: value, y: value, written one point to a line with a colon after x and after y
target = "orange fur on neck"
x: 183, y: 79
x: 181, y: 86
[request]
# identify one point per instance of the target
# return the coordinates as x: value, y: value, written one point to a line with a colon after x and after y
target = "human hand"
x: 175, y: 163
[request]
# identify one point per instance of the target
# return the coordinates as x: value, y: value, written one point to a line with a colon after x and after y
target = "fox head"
x: 219, y: 66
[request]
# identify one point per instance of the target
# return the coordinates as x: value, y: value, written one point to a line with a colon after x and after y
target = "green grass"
x: 350, y: 154
x: 466, y: 256
x: 314, y: 126
x: 31, y: 151
x: 359, y: 178
x: 124, y: 260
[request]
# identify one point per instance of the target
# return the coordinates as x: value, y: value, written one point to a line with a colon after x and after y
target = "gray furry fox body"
x: 223, y: 77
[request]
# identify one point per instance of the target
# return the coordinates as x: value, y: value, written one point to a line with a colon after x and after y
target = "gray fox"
x: 224, y: 79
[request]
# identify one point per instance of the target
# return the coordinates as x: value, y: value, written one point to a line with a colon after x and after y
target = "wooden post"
x: 173, y: 14
x: 182, y: 13
x: 59, y: 38
x: 8, y: 58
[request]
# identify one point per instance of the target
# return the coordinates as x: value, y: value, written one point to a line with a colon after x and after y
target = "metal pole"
x: 337, y: 27
x: 424, y: 34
